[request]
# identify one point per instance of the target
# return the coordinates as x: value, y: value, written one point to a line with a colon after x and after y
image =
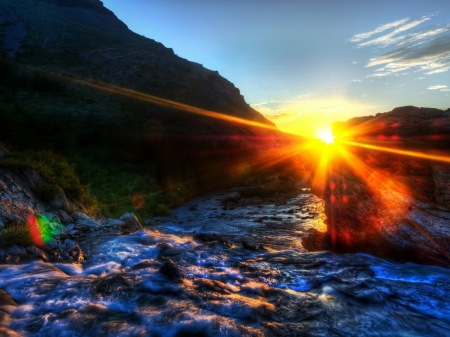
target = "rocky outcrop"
x: 389, y: 204
x: 65, y: 233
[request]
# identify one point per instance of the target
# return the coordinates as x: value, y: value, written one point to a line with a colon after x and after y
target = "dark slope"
x: 84, y: 38
x: 123, y: 144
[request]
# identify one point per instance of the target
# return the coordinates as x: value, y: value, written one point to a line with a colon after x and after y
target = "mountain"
x: 136, y: 119
x: 84, y: 39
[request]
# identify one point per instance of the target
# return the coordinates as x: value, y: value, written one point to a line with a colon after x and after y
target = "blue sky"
x: 304, y: 64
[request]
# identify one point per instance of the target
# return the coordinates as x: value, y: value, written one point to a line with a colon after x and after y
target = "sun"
x: 326, y: 136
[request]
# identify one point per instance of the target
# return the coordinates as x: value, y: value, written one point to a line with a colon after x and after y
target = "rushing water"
x: 191, y: 276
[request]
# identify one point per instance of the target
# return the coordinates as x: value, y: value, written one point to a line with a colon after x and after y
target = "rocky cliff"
x: 62, y: 227
x: 395, y: 202
x: 82, y: 38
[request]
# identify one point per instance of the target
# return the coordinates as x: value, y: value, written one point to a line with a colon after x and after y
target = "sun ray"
x: 417, y: 154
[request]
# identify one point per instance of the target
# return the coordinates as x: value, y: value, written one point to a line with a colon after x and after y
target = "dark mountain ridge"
x: 73, y: 66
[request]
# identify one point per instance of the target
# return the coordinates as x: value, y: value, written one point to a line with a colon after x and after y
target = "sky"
x: 304, y: 64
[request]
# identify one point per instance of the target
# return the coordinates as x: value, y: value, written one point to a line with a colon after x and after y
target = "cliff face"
x: 82, y: 38
x: 390, y: 204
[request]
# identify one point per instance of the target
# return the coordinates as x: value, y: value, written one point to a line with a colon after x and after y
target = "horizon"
x: 303, y: 66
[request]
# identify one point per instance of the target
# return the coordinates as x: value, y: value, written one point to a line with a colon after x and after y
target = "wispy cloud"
x: 436, y: 87
x: 380, y: 29
x: 391, y: 38
x: 426, y: 50
x: 440, y: 70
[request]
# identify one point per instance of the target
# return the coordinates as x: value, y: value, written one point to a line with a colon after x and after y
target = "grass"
x: 18, y: 234
x: 58, y: 174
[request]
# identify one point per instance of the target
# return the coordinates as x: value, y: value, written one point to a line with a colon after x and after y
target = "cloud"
x: 440, y: 70
x: 436, y: 87
x: 391, y: 38
x: 426, y: 50
x: 426, y: 56
x: 380, y: 29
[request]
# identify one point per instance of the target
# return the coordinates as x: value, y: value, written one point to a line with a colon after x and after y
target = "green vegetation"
x: 81, y: 141
x: 58, y: 175
x: 20, y: 234
x: 16, y: 234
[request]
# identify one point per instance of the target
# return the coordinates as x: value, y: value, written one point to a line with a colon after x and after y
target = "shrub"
x: 16, y: 234
x: 58, y: 175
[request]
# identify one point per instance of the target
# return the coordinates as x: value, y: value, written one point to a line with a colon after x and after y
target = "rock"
x: 114, y: 223
x: 69, y: 244
x: 52, y: 243
x: 16, y: 250
x: 83, y: 220
x: 65, y: 217
x: 4, y: 152
x: 60, y: 201
x: 40, y: 254
x: 131, y: 222
x: 246, y: 245
x: 170, y: 270
x: 2, y: 255
x: 392, y: 206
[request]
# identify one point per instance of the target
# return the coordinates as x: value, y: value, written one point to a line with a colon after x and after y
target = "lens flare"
x: 35, y: 232
x: 42, y: 229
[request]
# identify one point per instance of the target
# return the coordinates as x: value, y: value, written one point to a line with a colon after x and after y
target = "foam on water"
x: 161, y: 284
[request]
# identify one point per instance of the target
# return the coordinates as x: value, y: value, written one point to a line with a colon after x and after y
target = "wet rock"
x: 16, y: 250
x: 246, y: 245
x: 65, y: 217
x: 131, y: 223
x: 206, y: 237
x: 68, y: 244
x: 168, y: 250
x: 316, y: 241
x: 83, y: 220
x: 171, y: 271
x: 40, y: 254
x: 116, y: 223
x: 52, y: 243
x: 112, y: 284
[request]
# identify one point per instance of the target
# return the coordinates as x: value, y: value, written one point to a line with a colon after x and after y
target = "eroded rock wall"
x: 388, y: 204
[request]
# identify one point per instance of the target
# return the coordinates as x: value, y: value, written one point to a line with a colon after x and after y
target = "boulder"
x: 84, y: 221
x: 130, y: 222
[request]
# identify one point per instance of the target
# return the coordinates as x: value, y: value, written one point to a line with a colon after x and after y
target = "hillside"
x: 135, y: 119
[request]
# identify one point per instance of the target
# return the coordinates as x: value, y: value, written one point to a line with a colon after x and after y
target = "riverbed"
x: 215, y: 269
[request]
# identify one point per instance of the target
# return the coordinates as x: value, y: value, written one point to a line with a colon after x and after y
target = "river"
x: 191, y: 274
